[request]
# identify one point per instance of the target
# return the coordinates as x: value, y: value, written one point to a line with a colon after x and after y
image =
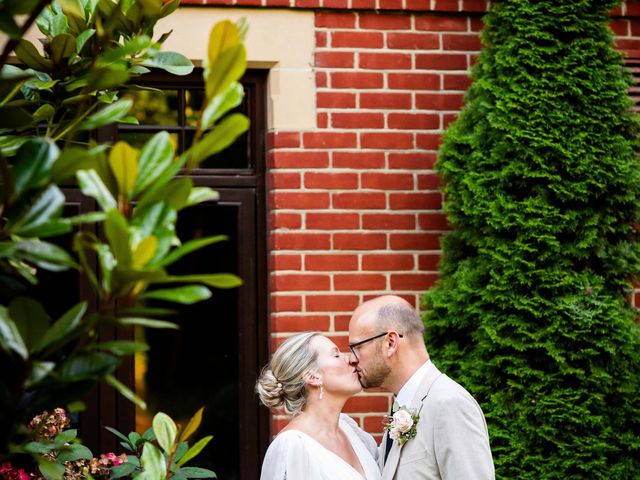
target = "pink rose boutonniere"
x: 402, y: 424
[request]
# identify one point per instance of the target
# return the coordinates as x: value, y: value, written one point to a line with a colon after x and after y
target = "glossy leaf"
x: 144, y: 251
x: 109, y: 114
x: 123, y: 347
x: 30, y: 318
x: 72, y: 7
x: 190, y: 246
x: 186, y: 295
x: 223, y: 35
x: 63, y: 46
x: 39, y: 371
x: 192, y: 426
x: 202, y: 194
x: 165, y: 429
x: 169, y: 7
x: 153, y: 462
x: 229, y: 67
x: 47, y: 205
x: 172, y: 62
x: 125, y: 391
x: 147, y: 322
x: 122, y: 470
x: 12, y: 117
x: 155, y: 157
x: 29, y: 55
x: 196, y: 472
x: 50, y: 470
x: 33, y: 164
x: 117, y: 434
x: 92, y: 186
x: 88, y: 366
x: 9, y: 26
x: 10, y: 338
x: 123, y: 160
x: 217, y: 280
x: 73, y: 452
x: 44, y: 254
x: 83, y: 38
x: 132, y: 46
x: 222, y: 136
x: 117, y: 232
x: 43, y: 113
x: 73, y: 159
x: 63, y: 327
x: 221, y: 104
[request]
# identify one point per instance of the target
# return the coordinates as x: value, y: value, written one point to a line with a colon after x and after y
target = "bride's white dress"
x: 294, y: 455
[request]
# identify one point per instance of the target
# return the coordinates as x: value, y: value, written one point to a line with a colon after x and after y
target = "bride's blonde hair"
x: 281, y: 382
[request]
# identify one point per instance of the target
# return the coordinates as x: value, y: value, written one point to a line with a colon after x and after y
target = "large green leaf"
x: 31, y: 319
x: 123, y: 347
x: 165, y: 177
x: 222, y: 103
x: 63, y: 46
x: 223, y: 35
x: 45, y: 255
x: 165, y: 429
x: 28, y: 54
x: 123, y: 160
x: 229, y: 67
x: 10, y: 338
x: 132, y: 46
x: 217, y: 280
x: 33, y: 163
x: 109, y: 114
x: 50, y: 470
x: 186, y: 295
x: 195, y: 450
x: 196, y: 472
x: 172, y: 62
x: 73, y: 452
x: 153, y: 462
x: 202, y: 194
x: 72, y: 8
x: 88, y: 366
x: 125, y: 391
x: 188, y: 247
x: 83, y: 38
x: 73, y: 159
x: 117, y: 231
x: 48, y: 205
x: 92, y: 185
x: 222, y: 136
x: 12, y: 117
x: 175, y: 194
x: 62, y: 328
x: 9, y: 26
x: 147, y: 322
x: 192, y: 425
x: 155, y: 157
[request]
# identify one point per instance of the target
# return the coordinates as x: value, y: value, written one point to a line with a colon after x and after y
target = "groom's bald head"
x: 389, y: 312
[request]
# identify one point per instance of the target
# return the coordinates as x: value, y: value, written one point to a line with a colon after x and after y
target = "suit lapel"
x: 421, y: 394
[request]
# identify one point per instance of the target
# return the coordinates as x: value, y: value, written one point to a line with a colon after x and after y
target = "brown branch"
x: 13, y: 42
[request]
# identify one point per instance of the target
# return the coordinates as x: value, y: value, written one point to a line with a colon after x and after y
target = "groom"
x: 451, y: 440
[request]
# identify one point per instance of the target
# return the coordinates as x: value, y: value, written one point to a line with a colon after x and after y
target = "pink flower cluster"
x: 9, y: 472
x: 47, y: 425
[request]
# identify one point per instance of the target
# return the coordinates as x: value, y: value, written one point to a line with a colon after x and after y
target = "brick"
x: 301, y: 241
x: 335, y: 3
x: 341, y: 340
x: 375, y: 21
x: 336, y: 100
x: 441, y: 61
x: 429, y: 181
x: 357, y: 160
x: 414, y: 241
x: 628, y: 44
x: 408, y: 121
x: 428, y: 141
x: 446, y: 6
x: 300, y: 200
x: 357, y: 40
x: 341, y: 322
x: 413, y: 281
x: 358, y: 282
x: 441, y: 23
x: 387, y: 181
x: 476, y: 24
x: 367, y: 403
x: 300, y: 282
x: 278, y: 3
x: 335, y: 20
x: 284, y: 180
x: 334, y: 59
x: 388, y: 221
x: 285, y: 140
x: 385, y: 61
x: 299, y: 323
x: 300, y: 159
x: 359, y: 201
x: 330, y: 263
x: 415, y: 201
x: 620, y: 27
x: 413, y: 41
x: 635, y: 28
x: 285, y: 262
x: 387, y: 101
x: 433, y: 221
x: 375, y: 424
x: 363, y: 4
x: 332, y: 221
x: 412, y: 161
x: 428, y: 262
x: 329, y: 140
x: 390, y: 4
x: 361, y: 80
x: 321, y: 39
x: 439, y: 101
x: 322, y: 80
x: 359, y: 241
x: 285, y: 220
x: 285, y: 303
x: 413, y: 81
x: 307, y: 3
x: 387, y: 140
x: 357, y: 120
x: 456, y: 82
x: 387, y: 262
x: 474, y: 6
x: 322, y: 119
x: 331, y: 303
x: 461, y: 42
x: 447, y: 118
x: 331, y: 180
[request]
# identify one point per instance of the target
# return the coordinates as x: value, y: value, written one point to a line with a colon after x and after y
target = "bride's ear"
x: 312, y: 378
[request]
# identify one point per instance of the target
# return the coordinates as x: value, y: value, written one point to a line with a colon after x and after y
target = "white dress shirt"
x: 408, y: 390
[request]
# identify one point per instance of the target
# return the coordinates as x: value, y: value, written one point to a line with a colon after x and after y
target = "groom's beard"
x: 376, y: 374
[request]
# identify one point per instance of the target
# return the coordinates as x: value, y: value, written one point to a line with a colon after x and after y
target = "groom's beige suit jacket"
x: 452, y: 441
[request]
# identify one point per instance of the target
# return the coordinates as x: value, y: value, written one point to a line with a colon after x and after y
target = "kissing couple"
x: 436, y: 429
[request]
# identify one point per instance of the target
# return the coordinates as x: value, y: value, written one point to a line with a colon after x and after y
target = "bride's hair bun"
x: 281, y: 382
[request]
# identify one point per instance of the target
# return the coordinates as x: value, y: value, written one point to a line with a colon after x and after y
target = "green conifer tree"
x: 542, y: 185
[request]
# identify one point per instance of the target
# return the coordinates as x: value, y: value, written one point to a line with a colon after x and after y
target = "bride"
x: 312, y: 380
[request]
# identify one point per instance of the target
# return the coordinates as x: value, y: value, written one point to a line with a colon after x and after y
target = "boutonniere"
x: 402, y: 424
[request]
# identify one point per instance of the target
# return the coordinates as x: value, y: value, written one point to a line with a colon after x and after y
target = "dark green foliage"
x: 542, y: 184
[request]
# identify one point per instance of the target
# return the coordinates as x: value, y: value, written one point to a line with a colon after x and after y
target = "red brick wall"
x: 355, y: 209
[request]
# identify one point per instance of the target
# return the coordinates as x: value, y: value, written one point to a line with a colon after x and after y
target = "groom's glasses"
x: 355, y: 346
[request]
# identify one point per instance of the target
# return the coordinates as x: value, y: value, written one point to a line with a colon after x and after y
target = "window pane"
x: 236, y: 156
x: 155, y: 108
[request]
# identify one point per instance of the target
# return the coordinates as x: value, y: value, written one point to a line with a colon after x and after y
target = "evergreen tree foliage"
x: 542, y: 186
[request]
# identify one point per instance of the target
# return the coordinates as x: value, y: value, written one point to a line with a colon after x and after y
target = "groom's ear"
x: 393, y: 341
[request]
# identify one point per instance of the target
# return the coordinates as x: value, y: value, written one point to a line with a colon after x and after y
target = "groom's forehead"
x: 362, y: 324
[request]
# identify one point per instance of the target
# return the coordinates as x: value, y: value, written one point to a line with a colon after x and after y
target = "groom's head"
x: 386, y: 341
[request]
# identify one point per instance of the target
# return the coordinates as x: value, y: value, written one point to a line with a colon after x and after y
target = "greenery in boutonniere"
x: 403, y: 424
